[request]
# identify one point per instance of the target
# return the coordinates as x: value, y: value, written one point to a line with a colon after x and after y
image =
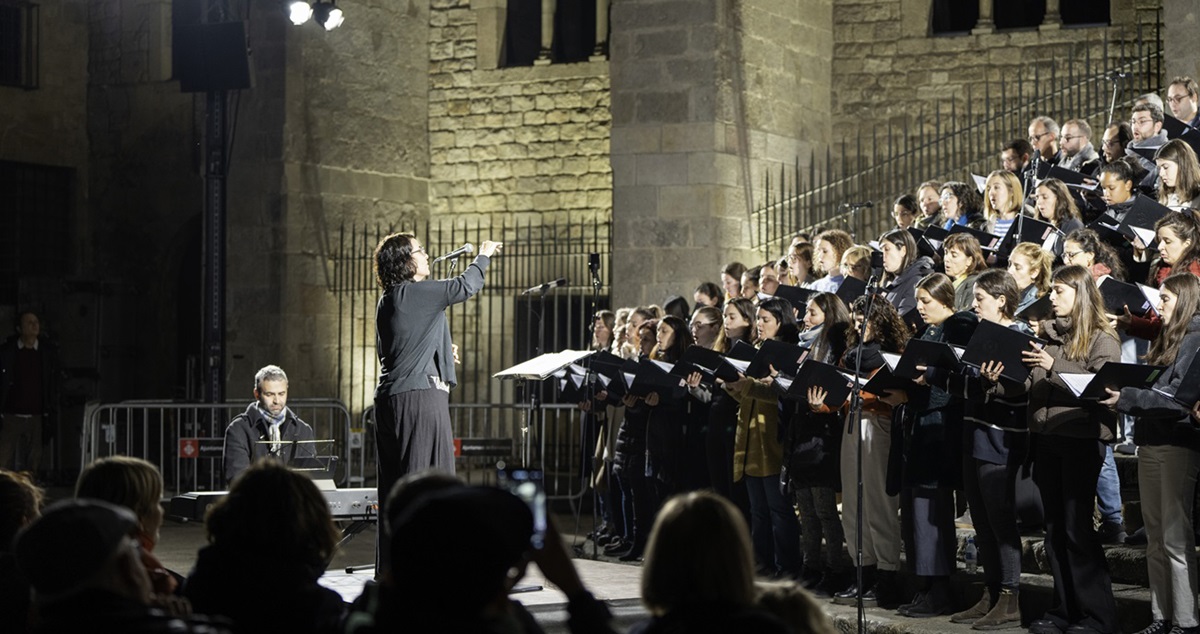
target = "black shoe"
x: 903, y: 609
x: 1081, y: 629
x: 931, y: 604
x: 1111, y: 533
x: 634, y: 554
x: 616, y: 547
x: 886, y: 590
x: 827, y: 586
x: 810, y: 578
x: 1044, y: 626
x: 1137, y: 538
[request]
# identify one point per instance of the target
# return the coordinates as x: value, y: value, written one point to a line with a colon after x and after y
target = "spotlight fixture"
x: 324, y: 12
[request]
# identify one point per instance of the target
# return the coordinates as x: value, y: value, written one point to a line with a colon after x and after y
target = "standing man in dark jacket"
x: 268, y: 428
x: 28, y: 394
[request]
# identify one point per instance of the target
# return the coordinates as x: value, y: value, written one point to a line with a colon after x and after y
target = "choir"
x: 937, y: 370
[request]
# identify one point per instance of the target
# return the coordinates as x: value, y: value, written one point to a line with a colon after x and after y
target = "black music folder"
x: 783, y: 356
x: 1032, y: 230
x: 711, y: 365
x: 1108, y: 228
x: 987, y: 241
x: 653, y: 376
x: 884, y: 381
x: 851, y: 289
x: 993, y: 342
x: 938, y: 354
x: 1177, y: 129
x: 1118, y: 294
x: 798, y: 296
x: 1038, y: 310
x: 1189, y: 387
x: 814, y: 373
x: 1141, y: 218
x: 1113, y: 375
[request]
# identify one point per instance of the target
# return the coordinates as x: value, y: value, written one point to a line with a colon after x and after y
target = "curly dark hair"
x: 884, y: 322
x: 969, y: 199
x: 394, y: 264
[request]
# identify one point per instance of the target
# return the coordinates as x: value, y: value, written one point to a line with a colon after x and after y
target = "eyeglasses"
x: 1140, y: 122
x: 1178, y: 98
x: 946, y: 196
x: 1071, y: 137
x: 1034, y: 138
x: 420, y: 250
x: 1113, y: 142
x: 1067, y: 256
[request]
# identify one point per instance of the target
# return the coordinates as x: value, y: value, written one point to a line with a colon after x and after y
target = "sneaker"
x: 1111, y: 533
x: 1157, y: 627
x: 1126, y: 447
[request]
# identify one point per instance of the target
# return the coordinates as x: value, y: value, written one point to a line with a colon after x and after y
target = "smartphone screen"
x: 527, y: 484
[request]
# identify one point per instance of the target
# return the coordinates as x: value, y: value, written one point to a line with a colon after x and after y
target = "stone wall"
x: 888, y: 68
x: 333, y: 135
x: 708, y: 98
x: 530, y: 142
x: 1181, y: 39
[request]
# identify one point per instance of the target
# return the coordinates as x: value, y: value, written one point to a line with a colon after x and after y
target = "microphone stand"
x: 853, y: 221
x: 854, y: 423
x: 591, y: 396
x: 1115, y: 77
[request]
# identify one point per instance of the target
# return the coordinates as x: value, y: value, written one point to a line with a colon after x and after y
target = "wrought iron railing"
x: 491, y: 329
x: 948, y: 142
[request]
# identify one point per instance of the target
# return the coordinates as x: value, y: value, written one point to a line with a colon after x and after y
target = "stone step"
x: 1126, y: 564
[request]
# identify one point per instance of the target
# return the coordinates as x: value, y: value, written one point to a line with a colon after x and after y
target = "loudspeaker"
x: 212, y: 57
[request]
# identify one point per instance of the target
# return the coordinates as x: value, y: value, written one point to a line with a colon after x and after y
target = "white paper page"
x: 890, y: 359
x: 1077, y: 382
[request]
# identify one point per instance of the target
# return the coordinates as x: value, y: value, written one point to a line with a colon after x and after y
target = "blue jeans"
x: 1108, y: 489
x: 774, y: 529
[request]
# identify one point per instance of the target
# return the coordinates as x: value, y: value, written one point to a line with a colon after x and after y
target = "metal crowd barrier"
x: 487, y: 434
x: 186, y: 440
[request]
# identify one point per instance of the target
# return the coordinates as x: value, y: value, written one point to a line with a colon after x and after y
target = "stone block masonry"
x: 513, y: 140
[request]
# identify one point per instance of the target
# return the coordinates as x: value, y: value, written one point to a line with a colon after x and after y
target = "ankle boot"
x: 1005, y: 614
x: 934, y: 602
x: 975, y: 612
x: 886, y: 591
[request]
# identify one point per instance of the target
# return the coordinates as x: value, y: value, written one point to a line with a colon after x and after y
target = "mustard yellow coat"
x: 756, y: 448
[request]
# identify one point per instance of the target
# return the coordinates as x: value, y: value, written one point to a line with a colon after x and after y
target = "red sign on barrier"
x: 457, y: 447
x: 189, y: 447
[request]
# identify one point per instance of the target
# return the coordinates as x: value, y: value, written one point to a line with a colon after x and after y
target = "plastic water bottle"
x: 971, y: 555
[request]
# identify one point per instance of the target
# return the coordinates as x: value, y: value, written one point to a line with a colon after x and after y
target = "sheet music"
x: 541, y: 367
x: 1078, y: 382
x: 892, y: 359
x: 1151, y: 294
x: 738, y: 365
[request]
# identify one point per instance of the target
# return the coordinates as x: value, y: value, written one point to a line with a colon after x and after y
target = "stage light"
x: 323, y: 12
x: 335, y: 19
x: 299, y: 12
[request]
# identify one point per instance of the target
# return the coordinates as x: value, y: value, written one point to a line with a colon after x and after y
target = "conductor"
x: 412, y: 401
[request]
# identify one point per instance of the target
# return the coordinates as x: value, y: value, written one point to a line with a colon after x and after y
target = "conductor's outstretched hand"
x: 490, y: 248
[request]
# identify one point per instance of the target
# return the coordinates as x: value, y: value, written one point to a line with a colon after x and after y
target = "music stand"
x: 533, y: 371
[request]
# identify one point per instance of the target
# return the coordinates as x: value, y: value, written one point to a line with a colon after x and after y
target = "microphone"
x: 863, y: 205
x: 594, y: 266
x: 1116, y: 74
x: 464, y: 249
x: 562, y: 281
x: 872, y: 285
